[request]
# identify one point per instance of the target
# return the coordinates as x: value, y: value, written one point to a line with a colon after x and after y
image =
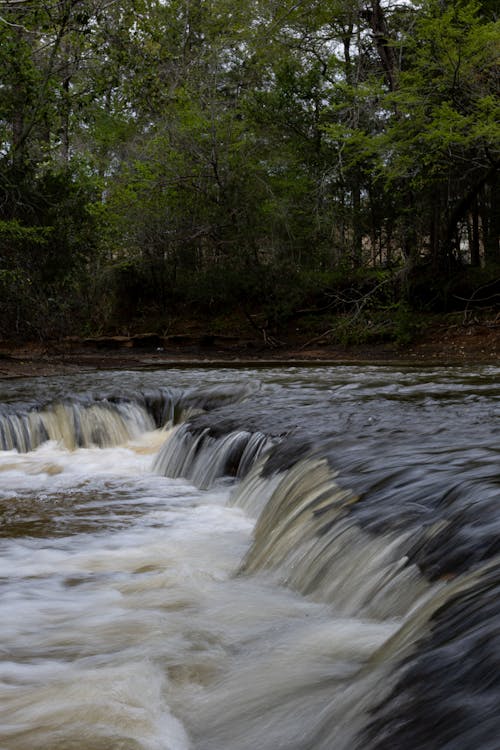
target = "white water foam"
x: 125, y: 624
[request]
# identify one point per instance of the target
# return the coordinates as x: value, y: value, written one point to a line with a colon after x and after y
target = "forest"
x: 170, y: 160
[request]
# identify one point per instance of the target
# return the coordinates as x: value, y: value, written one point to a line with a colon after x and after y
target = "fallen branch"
x: 360, y: 304
x: 269, y: 340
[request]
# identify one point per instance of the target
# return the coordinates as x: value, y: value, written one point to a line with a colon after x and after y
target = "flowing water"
x: 237, y: 559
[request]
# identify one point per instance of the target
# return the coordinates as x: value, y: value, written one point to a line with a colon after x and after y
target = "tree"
x: 177, y: 143
x: 442, y: 146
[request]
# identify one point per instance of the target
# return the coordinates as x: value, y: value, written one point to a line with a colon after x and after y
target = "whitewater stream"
x: 251, y: 559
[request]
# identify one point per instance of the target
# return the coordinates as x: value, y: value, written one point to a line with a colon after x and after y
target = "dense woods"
x: 170, y: 158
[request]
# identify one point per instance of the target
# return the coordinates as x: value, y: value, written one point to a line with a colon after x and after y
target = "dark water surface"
x: 303, y: 558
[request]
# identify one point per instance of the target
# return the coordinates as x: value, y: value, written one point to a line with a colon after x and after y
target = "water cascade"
x: 204, y: 459
x: 307, y: 560
x: 104, y: 420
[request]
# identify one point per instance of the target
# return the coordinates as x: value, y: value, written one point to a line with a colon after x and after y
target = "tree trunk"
x: 435, y: 233
x: 357, y: 234
x: 385, y: 50
x: 491, y: 221
x: 19, y: 108
x: 461, y: 208
x: 475, y: 258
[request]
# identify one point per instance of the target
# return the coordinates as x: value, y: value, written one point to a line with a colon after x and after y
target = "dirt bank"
x: 443, y: 343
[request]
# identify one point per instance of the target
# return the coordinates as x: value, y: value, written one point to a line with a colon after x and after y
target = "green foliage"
x: 167, y: 156
x: 13, y: 236
x: 397, y: 323
x: 48, y: 238
x: 447, y: 108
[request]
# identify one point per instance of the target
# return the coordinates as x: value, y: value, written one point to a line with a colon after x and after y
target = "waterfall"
x: 204, y: 459
x: 106, y: 419
x: 101, y: 423
x: 231, y: 567
x: 310, y: 536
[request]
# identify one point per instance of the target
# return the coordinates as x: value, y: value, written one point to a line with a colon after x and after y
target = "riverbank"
x: 443, y: 343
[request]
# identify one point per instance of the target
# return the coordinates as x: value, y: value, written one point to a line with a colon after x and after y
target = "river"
x: 251, y: 559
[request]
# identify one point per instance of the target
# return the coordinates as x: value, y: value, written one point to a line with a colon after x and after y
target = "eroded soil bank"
x: 443, y: 343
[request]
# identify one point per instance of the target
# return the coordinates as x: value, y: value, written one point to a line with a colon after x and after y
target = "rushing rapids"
x: 299, y: 558
x: 103, y: 420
